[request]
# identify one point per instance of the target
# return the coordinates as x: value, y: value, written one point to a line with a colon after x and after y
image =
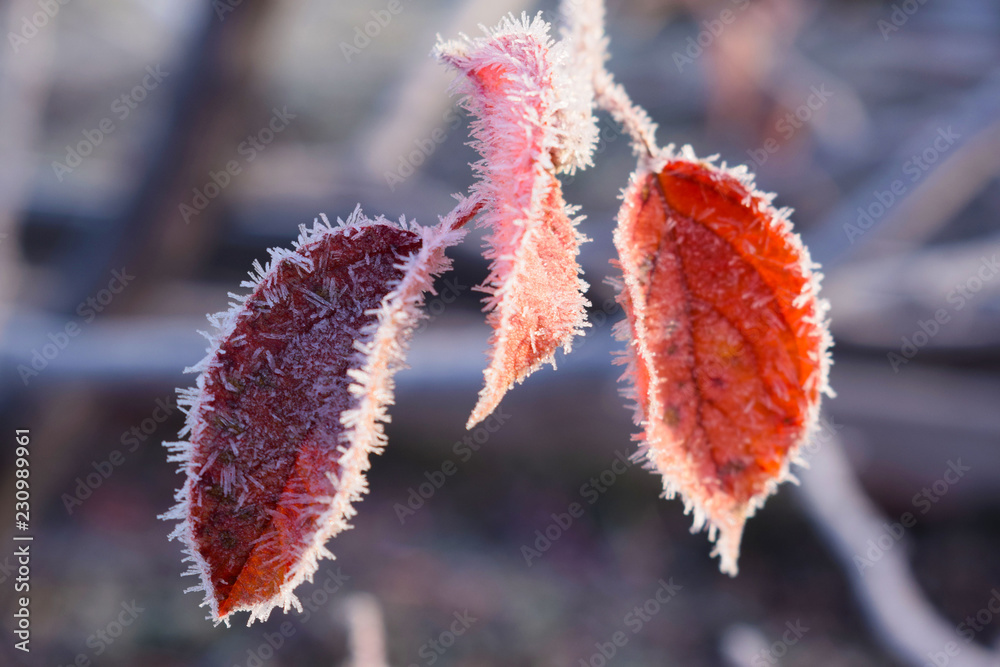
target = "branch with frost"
x: 726, y: 337
x: 585, y: 38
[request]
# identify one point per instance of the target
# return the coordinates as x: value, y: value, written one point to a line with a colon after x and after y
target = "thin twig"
x: 902, y: 618
x: 584, y: 33
x: 465, y: 210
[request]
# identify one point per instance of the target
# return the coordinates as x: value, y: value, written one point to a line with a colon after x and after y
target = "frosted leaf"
x: 727, y: 339
x: 289, y: 404
x: 532, y: 121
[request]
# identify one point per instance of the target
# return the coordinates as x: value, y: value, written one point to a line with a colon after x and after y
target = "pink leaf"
x: 532, y: 120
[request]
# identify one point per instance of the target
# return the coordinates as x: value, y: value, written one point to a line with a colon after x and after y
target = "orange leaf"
x: 289, y: 405
x: 728, y: 340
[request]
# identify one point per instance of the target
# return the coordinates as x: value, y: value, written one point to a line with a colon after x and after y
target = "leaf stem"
x: 588, y: 44
x: 465, y: 210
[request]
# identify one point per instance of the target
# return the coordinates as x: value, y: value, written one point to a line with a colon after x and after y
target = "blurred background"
x: 150, y: 150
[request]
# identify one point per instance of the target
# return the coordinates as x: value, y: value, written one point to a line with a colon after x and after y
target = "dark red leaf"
x: 288, y: 407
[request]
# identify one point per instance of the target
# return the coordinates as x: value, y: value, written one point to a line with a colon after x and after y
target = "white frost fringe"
x: 553, y: 74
